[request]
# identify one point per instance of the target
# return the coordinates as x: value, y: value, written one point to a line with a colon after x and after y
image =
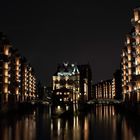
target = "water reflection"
x: 22, y: 129
x: 100, y: 123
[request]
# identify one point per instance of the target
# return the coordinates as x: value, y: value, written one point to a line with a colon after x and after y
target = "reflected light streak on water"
x: 58, y: 127
x: 100, y: 123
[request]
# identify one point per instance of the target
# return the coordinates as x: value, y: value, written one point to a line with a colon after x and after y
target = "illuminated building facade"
x: 85, y: 82
x: 117, y: 85
x: 29, y: 84
x: 131, y: 62
x: 128, y: 67
x: 17, y: 78
x: 5, y: 54
x: 103, y: 90
x: 66, y: 83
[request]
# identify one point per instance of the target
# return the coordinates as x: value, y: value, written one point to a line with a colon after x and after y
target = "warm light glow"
x: 17, y: 73
x: 17, y: 61
x: 129, y: 64
x: 6, y: 72
x: 54, y: 78
x: 136, y: 15
x: 58, y: 107
x: 58, y: 127
x: 137, y: 28
x: 129, y: 72
x: 137, y: 40
x: 128, y: 40
x: 129, y: 57
x: 129, y: 50
x: 130, y: 88
x: 6, y: 80
x: 6, y: 89
x: 6, y: 50
x: 66, y: 78
x: 17, y: 68
x: 85, y: 87
x: 67, y: 107
x: 6, y: 65
x: 17, y: 91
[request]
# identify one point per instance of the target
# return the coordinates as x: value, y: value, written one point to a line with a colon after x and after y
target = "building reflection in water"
x: 102, y: 122
x: 23, y: 129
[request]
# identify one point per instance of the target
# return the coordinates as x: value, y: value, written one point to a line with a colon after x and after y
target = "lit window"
x: 6, y: 51
x: 128, y: 40
x: 129, y: 57
x: 123, y: 54
x: 136, y: 15
x: 6, y: 65
x: 129, y: 50
x: 136, y: 62
x: 17, y: 62
x: 6, y: 79
x: 6, y: 89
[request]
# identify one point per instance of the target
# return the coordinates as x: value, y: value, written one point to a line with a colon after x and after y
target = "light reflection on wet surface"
x: 100, y: 123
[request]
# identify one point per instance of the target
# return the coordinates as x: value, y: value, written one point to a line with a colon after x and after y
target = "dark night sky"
x: 48, y: 33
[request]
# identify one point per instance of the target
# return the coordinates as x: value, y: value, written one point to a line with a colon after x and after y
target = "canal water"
x: 100, y: 123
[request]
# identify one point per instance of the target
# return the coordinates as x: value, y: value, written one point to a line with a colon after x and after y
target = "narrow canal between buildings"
x: 100, y: 123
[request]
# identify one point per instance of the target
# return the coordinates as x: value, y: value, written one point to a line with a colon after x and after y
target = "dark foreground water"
x: 101, y: 123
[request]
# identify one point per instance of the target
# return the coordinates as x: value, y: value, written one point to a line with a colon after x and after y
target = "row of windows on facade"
x: 16, y: 76
x: 131, y: 53
x: 104, y: 89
